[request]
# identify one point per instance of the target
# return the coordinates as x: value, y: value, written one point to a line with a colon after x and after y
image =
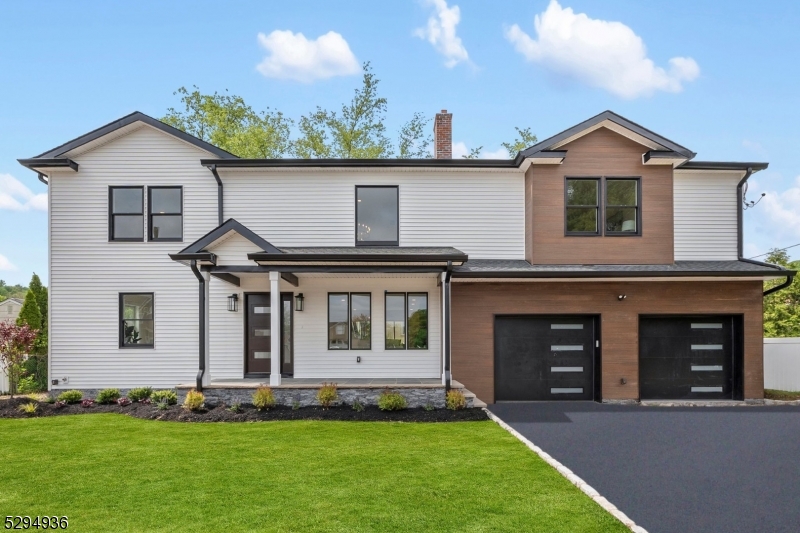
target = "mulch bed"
x: 175, y: 413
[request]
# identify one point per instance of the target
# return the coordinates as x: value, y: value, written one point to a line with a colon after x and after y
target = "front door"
x: 258, y: 334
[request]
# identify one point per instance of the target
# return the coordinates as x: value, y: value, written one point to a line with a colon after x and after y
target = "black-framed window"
x: 349, y: 321
x: 582, y: 200
x: 406, y: 321
x: 338, y: 321
x: 136, y: 325
x: 377, y: 215
x: 360, y: 321
x: 622, y: 215
x: 126, y: 213
x: 165, y: 213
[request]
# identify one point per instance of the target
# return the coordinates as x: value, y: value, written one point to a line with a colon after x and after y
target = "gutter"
x: 41, y: 178
x: 213, y: 169
x: 447, y: 312
x: 202, y: 324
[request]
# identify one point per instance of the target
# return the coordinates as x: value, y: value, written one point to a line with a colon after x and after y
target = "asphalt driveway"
x: 677, y: 469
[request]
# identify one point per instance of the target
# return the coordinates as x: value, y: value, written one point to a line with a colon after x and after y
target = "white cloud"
x: 5, y: 264
x: 460, y: 150
x: 755, y: 146
x: 600, y: 53
x: 441, y: 33
x: 293, y: 57
x: 500, y: 153
x: 781, y: 210
x: 15, y: 196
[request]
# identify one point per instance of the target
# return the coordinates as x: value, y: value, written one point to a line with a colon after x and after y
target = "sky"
x: 722, y: 81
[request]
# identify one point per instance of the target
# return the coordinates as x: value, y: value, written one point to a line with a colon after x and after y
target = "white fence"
x: 782, y: 364
x: 3, y: 381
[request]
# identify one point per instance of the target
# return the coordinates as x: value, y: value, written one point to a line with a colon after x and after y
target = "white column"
x: 275, y: 328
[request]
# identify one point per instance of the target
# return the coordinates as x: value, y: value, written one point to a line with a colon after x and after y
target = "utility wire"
x: 778, y: 250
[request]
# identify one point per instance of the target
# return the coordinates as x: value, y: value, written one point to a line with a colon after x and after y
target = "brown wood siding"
x: 476, y: 304
x: 599, y: 153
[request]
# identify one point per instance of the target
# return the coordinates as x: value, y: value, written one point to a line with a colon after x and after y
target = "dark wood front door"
x: 258, y: 334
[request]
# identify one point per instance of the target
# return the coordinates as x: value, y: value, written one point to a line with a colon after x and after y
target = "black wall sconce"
x: 299, y: 302
x: 233, y: 302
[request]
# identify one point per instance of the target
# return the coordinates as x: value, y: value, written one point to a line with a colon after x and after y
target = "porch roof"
x: 361, y: 255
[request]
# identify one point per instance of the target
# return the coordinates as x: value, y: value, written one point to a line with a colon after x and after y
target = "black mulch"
x: 9, y: 408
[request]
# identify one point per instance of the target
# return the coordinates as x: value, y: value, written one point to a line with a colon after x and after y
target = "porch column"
x: 275, y: 328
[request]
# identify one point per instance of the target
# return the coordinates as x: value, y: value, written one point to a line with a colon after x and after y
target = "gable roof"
x: 556, y: 141
x: 217, y: 233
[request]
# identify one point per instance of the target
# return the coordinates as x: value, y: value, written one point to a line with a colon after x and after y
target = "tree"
x: 15, y: 343
x: 782, y: 308
x: 30, y: 314
x: 474, y: 153
x: 523, y: 140
x: 40, y: 292
x: 412, y: 141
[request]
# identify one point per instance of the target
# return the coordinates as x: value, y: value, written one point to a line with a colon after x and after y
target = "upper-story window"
x: 377, y: 215
x: 583, y: 206
x: 165, y: 213
x: 622, y: 206
x: 126, y: 213
x: 619, y: 214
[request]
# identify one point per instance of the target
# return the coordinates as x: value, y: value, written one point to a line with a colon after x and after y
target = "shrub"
x: 358, y: 406
x: 70, y: 396
x: 194, y: 400
x: 50, y: 399
x: 391, y: 401
x: 263, y: 398
x: 108, y: 396
x: 170, y: 397
x: 140, y: 393
x: 163, y: 406
x: 235, y: 408
x: 29, y: 408
x: 27, y: 385
x: 145, y: 401
x: 295, y: 405
x: 327, y: 394
x: 87, y: 403
x: 122, y: 402
x: 429, y: 406
x: 58, y: 404
x: 455, y: 400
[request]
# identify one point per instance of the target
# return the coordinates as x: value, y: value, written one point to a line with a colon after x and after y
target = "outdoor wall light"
x: 622, y: 297
x: 233, y: 302
x: 298, y: 302
x: 622, y: 381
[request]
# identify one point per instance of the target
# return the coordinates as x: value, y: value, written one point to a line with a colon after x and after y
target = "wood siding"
x: 599, y: 153
x: 476, y: 304
x: 705, y: 215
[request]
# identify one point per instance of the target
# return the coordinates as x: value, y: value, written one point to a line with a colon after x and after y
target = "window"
x: 165, y: 213
x: 377, y: 215
x: 349, y: 321
x: 582, y: 206
x: 406, y: 321
x: 136, y: 320
x: 126, y: 213
x: 622, y: 206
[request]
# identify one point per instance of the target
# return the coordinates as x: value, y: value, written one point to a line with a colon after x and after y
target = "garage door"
x: 544, y: 358
x: 687, y: 357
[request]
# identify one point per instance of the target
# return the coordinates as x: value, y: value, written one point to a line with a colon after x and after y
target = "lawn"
x: 116, y: 473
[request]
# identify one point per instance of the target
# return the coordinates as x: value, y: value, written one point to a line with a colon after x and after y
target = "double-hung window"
x: 622, y: 206
x: 583, y: 206
x: 126, y: 213
x: 165, y: 213
x: 136, y: 328
x: 377, y: 215
x: 619, y: 213
x: 349, y: 321
x: 406, y: 321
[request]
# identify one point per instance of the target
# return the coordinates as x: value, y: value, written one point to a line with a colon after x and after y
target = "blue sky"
x: 722, y: 82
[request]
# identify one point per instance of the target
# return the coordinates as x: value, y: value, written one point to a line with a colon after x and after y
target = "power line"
x: 778, y: 250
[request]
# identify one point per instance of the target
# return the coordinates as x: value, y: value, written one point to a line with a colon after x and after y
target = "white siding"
x: 705, y: 216
x: 88, y: 272
x: 482, y: 214
x: 312, y: 359
x: 233, y: 250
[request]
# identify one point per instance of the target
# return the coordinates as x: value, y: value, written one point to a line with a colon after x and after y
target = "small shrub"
x: 27, y: 385
x: 29, y: 408
x: 107, y: 396
x: 50, y: 399
x: 391, y: 401
x: 58, y: 404
x: 429, y: 406
x: 295, y: 405
x: 87, y: 403
x: 194, y: 400
x: 455, y: 400
x: 122, y: 402
x: 163, y: 406
x: 358, y: 406
x: 327, y: 394
x: 170, y: 397
x: 235, y: 408
x: 263, y: 398
x: 70, y: 396
x: 145, y: 401
x: 140, y: 393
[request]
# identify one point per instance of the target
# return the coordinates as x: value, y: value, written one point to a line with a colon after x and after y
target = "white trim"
x: 616, y: 128
x: 593, y: 280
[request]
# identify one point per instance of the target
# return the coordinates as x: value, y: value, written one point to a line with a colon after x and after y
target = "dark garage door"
x: 544, y: 358
x: 689, y: 357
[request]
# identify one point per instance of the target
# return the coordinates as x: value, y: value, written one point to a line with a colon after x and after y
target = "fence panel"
x: 782, y: 364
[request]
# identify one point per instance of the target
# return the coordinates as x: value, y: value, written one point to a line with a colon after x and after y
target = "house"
x: 602, y: 263
x: 9, y: 309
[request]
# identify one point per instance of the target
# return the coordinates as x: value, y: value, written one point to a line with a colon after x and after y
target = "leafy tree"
x: 525, y: 138
x: 412, y: 141
x: 11, y: 291
x: 30, y: 314
x: 40, y: 291
x: 15, y: 342
x: 782, y: 308
x: 474, y: 153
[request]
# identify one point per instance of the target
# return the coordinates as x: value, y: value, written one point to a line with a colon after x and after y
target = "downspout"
x: 202, y: 324
x: 448, y: 274
x: 740, y: 235
x: 41, y: 178
x: 213, y: 169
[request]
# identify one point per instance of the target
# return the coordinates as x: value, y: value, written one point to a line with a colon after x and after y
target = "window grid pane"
x: 360, y: 322
x: 338, y: 321
x: 128, y: 227
x: 417, y: 321
x: 395, y: 321
x: 126, y: 201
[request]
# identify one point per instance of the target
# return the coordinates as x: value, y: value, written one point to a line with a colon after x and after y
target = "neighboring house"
x: 602, y: 263
x: 9, y: 309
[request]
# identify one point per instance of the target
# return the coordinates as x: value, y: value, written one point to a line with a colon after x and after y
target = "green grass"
x: 115, y: 473
x: 773, y: 394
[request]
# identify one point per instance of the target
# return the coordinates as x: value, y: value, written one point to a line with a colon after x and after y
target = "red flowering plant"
x: 16, y: 342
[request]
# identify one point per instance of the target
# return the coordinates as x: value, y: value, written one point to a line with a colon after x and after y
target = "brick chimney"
x: 443, y: 135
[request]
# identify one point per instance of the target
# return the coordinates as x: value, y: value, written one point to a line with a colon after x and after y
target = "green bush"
x: 107, y: 396
x: 140, y: 393
x: 358, y: 406
x: 194, y: 400
x: 263, y: 398
x: 392, y: 401
x: 455, y: 400
x: 36, y: 367
x: 327, y: 394
x: 29, y: 408
x: 168, y: 397
x: 70, y: 396
x: 235, y: 408
x: 27, y: 385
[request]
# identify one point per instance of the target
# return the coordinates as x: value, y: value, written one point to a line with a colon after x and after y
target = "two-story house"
x: 602, y: 263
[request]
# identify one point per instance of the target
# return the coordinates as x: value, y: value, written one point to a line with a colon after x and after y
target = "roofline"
x: 722, y: 165
x: 223, y: 229
x: 52, y: 162
x: 356, y: 258
x: 618, y: 274
x: 355, y: 163
x: 136, y: 116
